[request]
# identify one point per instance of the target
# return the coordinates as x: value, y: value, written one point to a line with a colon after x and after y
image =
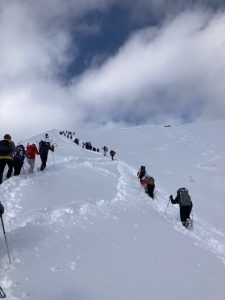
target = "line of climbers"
x: 183, y: 198
x: 86, y: 145
x: 14, y: 156
x: 68, y: 134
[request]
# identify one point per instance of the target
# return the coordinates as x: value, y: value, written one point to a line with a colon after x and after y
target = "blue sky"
x: 115, y: 25
x: 73, y: 63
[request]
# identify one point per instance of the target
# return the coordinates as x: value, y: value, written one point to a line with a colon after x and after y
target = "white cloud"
x: 173, y: 70
x: 162, y: 73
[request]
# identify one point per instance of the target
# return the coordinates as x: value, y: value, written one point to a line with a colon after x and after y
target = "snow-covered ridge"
x: 84, y: 228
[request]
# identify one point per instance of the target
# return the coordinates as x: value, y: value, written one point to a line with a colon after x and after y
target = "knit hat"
x: 7, y: 137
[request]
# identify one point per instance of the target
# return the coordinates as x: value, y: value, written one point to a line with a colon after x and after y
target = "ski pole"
x: 167, y: 206
x: 2, y: 294
x: 7, y: 247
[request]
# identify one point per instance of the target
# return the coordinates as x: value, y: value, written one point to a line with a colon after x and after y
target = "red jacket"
x: 31, y: 151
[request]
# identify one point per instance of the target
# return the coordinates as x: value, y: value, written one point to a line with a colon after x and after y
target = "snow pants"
x: 3, y: 163
x: 31, y: 163
x: 17, y: 165
x: 185, y: 212
x: 150, y: 190
x: 44, y: 158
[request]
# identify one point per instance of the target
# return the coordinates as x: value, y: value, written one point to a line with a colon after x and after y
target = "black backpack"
x: 44, y: 147
x: 185, y: 199
x: 5, y: 148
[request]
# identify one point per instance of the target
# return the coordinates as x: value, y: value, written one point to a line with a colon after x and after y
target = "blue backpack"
x: 19, y: 153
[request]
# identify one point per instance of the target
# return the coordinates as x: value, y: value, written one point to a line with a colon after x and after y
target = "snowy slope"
x: 84, y: 228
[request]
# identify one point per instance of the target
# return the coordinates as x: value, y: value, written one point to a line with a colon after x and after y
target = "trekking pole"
x: 2, y: 294
x: 192, y: 220
x: 53, y: 158
x: 7, y: 247
x: 167, y: 206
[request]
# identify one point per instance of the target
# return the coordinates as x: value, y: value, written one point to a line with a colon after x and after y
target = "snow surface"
x: 84, y: 229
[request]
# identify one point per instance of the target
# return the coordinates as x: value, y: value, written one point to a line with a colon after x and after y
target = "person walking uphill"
x: 18, y: 159
x: 184, y: 200
x: 7, y: 148
x: 44, y: 147
x: 149, y: 185
x: 112, y: 154
x: 31, y: 153
x: 105, y: 150
x: 146, y: 181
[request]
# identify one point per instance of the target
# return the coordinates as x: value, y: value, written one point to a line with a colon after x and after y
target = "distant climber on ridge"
x: 105, y: 150
x: 112, y: 154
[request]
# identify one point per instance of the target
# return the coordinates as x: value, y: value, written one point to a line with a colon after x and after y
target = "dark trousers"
x: 185, y: 212
x: 150, y: 190
x: 44, y: 158
x: 3, y: 163
x: 17, y: 165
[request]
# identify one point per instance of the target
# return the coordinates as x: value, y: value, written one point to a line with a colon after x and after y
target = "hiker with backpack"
x: 149, y: 185
x: 112, y: 154
x: 184, y: 200
x: 31, y: 153
x: 44, y: 147
x: 76, y: 141
x: 7, y: 149
x: 18, y: 159
x: 146, y: 181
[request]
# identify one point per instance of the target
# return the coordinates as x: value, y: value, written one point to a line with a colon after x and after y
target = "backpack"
x: 185, y: 199
x: 43, y: 147
x: 29, y: 151
x: 5, y: 148
x: 150, y: 180
x: 19, y: 154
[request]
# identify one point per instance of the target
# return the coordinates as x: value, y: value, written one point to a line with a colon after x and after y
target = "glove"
x: 171, y: 197
x: 1, y: 209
